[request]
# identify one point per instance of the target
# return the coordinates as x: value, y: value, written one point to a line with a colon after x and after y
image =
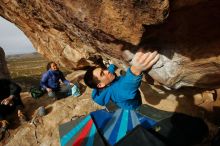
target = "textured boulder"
x: 4, y: 73
x: 189, y: 45
x: 73, y: 33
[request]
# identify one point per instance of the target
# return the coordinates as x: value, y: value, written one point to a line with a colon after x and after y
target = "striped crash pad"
x: 101, y: 127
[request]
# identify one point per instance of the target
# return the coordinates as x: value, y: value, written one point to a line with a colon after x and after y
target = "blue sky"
x: 13, y: 40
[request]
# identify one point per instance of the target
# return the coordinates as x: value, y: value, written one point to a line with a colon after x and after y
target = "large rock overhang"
x: 72, y: 33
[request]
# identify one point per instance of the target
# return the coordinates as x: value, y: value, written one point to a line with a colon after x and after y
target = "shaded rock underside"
x: 73, y: 33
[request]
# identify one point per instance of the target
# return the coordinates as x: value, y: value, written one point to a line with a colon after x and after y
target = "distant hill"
x: 26, y: 55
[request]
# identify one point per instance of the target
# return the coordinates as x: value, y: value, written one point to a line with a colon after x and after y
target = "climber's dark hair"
x: 89, y: 79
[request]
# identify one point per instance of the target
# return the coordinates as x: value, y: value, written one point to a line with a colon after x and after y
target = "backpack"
x: 36, y: 92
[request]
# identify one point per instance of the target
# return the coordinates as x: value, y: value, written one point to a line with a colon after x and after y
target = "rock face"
x: 72, y: 33
x: 4, y: 73
x: 189, y: 43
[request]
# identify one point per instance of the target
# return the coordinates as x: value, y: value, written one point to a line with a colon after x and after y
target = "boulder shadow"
x: 191, y: 31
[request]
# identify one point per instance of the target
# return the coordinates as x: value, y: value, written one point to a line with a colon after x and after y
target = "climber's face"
x: 104, y: 76
x: 53, y: 66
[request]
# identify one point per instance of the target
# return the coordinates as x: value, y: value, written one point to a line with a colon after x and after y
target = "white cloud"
x: 13, y: 40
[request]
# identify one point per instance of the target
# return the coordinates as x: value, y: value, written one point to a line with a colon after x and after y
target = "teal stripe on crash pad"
x: 123, y: 125
x: 134, y: 118
x: 73, y: 131
x: 91, y: 136
x: 111, y: 124
x: 113, y: 137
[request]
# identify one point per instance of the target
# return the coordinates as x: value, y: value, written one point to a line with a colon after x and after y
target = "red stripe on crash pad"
x: 83, y: 134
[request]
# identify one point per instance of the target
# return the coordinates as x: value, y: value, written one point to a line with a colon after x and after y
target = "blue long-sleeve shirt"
x: 123, y: 91
x: 50, y: 79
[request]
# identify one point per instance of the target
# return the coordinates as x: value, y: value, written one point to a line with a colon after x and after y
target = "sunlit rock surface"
x: 72, y: 33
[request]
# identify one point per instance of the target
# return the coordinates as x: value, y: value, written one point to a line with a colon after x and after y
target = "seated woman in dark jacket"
x: 10, y: 100
x: 51, y: 81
